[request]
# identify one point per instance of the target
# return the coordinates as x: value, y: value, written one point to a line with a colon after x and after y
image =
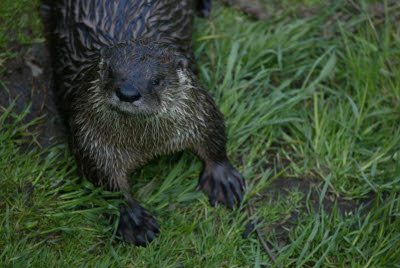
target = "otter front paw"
x: 223, y: 184
x: 137, y: 225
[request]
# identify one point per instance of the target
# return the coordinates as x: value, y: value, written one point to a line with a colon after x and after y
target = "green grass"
x: 302, y: 98
x: 19, y: 24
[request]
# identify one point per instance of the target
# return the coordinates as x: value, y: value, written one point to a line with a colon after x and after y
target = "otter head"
x: 140, y: 77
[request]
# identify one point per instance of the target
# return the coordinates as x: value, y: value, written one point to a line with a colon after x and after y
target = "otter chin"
x: 140, y: 106
x: 126, y: 84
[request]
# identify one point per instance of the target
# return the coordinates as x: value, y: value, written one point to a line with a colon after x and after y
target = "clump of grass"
x: 41, y: 197
x: 298, y: 103
x: 359, y: 238
x: 20, y: 24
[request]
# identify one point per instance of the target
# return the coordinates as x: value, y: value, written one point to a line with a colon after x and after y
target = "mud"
x: 25, y: 79
x: 267, y: 9
x: 312, y: 187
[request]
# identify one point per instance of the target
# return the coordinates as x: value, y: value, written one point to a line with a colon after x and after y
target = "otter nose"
x: 128, y: 94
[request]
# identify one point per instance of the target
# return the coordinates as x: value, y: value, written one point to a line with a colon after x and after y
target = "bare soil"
x: 312, y: 186
x: 27, y: 78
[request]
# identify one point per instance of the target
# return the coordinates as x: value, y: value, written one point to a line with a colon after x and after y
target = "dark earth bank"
x: 27, y: 79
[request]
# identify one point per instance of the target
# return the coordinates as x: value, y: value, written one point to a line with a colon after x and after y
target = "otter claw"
x: 223, y: 184
x: 137, y: 225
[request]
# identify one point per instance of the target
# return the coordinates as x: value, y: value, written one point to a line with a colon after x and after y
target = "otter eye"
x: 156, y: 82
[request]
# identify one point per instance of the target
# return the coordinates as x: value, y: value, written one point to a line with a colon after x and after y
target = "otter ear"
x: 182, y: 63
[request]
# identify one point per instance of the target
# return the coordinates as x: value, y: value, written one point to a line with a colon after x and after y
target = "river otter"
x: 124, y: 77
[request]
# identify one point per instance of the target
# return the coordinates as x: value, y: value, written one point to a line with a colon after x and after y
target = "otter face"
x: 139, y: 79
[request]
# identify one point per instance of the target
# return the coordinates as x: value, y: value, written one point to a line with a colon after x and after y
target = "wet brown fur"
x: 100, y: 46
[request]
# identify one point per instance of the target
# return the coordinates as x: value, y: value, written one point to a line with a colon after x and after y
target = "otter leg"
x: 219, y: 179
x: 136, y: 224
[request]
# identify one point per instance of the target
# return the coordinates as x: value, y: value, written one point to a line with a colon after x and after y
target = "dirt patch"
x: 267, y: 9
x: 312, y: 186
x: 252, y: 8
x: 27, y: 78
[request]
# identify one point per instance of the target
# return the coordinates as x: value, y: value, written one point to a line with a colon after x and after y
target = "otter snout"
x: 128, y: 94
